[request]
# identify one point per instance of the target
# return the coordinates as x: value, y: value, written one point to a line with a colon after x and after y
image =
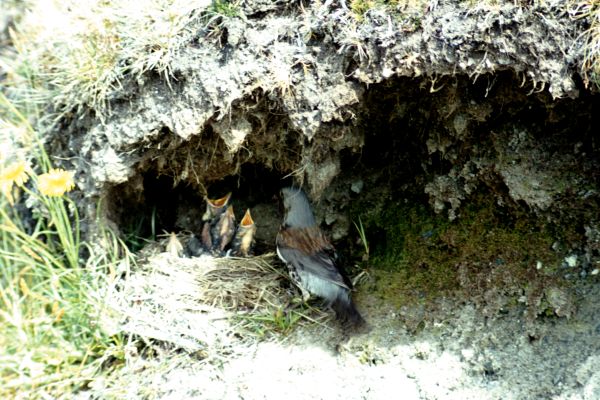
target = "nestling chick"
x: 193, y: 247
x: 214, y: 209
x: 174, y: 246
x: 311, y: 258
x: 222, y: 232
x: 244, y: 237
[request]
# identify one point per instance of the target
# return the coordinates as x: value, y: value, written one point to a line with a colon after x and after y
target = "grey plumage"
x: 311, y: 259
x: 295, y: 200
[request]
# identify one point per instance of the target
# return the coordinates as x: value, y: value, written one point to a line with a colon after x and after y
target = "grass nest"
x: 245, y: 284
x: 204, y: 304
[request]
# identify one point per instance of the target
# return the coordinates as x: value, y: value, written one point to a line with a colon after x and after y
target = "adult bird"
x: 312, y: 260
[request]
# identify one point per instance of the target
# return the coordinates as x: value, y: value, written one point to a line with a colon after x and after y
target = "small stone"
x: 560, y: 300
x: 595, y: 271
x: 330, y: 219
x: 357, y: 186
x: 467, y: 354
x: 557, y: 381
x: 556, y: 246
x: 571, y: 260
x: 538, y: 265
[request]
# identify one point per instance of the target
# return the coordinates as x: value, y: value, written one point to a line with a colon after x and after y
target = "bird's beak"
x: 247, y: 220
x: 220, y: 202
x: 213, y: 207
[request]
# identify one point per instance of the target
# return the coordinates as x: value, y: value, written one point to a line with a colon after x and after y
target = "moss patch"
x: 489, y: 253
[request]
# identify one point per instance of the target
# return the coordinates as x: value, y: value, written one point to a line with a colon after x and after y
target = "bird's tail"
x: 346, y: 312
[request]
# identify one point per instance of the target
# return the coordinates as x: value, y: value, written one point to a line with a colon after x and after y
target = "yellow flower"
x: 15, y: 173
x: 56, y: 182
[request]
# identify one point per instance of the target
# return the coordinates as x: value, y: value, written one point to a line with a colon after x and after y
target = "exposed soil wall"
x: 467, y: 96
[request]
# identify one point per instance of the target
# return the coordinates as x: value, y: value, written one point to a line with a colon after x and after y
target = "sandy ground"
x: 460, y: 354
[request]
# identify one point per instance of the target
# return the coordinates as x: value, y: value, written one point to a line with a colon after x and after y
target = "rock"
x: 357, y: 186
x: 561, y: 301
x: 571, y: 260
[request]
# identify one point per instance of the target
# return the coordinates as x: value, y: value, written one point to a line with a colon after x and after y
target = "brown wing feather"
x: 308, y: 249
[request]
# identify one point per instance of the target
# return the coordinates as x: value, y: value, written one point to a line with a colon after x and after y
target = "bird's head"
x: 298, y: 213
x: 247, y: 221
x: 215, y: 206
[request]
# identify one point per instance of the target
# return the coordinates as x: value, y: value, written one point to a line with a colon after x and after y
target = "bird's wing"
x: 319, y: 264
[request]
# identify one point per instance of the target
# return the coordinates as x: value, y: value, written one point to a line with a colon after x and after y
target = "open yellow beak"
x: 219, y: 202
x: 247, y: 220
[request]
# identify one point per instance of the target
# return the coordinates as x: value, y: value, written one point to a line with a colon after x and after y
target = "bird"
x: 312, y: 260
x: 174, y: 246
x: 222, y: 231
x: 214, y: 209
x: 193, y: 247
x: 244, y: 237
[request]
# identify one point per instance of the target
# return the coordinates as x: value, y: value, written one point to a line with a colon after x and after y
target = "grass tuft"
x: 51, y: 300
x: 590, y: 10
x: 74, y: 56
x: 360, y: 228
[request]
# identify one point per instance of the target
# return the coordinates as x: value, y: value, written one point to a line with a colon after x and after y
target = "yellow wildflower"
x: 15, y: 173
x: 56, y: 182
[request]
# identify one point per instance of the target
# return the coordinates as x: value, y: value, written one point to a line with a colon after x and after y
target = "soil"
x: 453, y: 352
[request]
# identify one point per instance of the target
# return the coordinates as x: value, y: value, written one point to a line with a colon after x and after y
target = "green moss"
x: 406, y: 12
x: 226, y: 8
x: 360, y: 7
x: 416, y: 255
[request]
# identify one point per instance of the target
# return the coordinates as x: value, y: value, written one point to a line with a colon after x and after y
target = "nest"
x: 194, y: 303
x: 244, y: 284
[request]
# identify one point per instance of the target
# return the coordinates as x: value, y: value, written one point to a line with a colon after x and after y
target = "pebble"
x: 571, y: 260
x: 467, y: 354
x: 357, y: 186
